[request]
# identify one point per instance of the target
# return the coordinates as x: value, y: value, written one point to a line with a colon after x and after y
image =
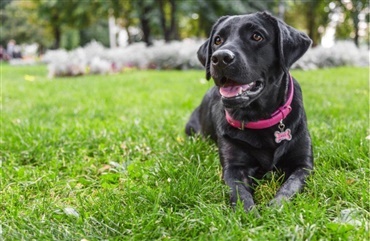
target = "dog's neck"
x: 276, y: 117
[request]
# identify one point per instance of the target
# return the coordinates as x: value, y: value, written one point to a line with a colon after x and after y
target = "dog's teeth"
x: 240, y: 91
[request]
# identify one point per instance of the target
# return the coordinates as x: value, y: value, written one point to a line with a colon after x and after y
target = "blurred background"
x: 139, y: 30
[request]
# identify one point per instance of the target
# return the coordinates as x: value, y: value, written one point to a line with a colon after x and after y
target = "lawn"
x: 106, y: 158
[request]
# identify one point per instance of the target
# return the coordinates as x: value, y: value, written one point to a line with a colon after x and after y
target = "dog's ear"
x: 292, y: 44
x: 202, y: 53
x: 205, y: 50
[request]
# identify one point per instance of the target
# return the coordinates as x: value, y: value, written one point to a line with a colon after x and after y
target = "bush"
x: 100, y: 66
x: 100, y: 60
x: 94, y: 58
x: 63, y: 63
x: 177, y: 55
x: 135, y: 55
x: 343, y: 53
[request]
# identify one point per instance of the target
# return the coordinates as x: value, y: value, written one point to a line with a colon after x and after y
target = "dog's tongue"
x: 230, y: 91
x: 233, y: 90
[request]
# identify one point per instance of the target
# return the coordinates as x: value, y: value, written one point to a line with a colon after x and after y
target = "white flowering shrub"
x: 188, y: 53
x: 50, y: 56
x: 94, y: 58
x: 92, y: 50
x: 343, y: 53
x: 175, y: 55
x: 164, y: 56
x: 134, y: 55
x: 100, y: 66
x: 63, y: 63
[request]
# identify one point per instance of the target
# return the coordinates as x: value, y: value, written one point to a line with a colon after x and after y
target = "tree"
x: 98, y: 31
x: 309, y: 15
x: 123, y: 12
x: 145, y: 10
x: 352, y: 9
x: 3, y: 3
x: 15, y: 24
x: 60, y: 14
x: 168, y: 21
x: 210, y: 10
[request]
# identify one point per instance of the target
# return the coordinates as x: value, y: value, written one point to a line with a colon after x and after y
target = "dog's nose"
x: 222, y: 58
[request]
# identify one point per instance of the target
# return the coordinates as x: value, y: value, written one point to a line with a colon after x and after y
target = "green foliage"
x: 70, y: 39
x: 344, y: 30
x: 15, y: 25
x: 208, y: 11
x: 3, y: 3
x: 352, y: 10
x: 309, y: 16
x: 106, y: 158
x: 98, y: 31
x: 53, y: 20
x: 59, y: 15
x: 70, y: 13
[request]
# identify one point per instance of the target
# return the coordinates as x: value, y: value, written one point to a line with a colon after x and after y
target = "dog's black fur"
x: 244, y: 49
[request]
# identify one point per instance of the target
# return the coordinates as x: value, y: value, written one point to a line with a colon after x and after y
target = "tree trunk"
x: 312, y: 31
x: 57, y: 36
x: 162, y: 17
x: 170, y: 31
x: 146, y: 30
x: 145, y: 23
x: 356, y: 39
x: 354, y: 15
x: 129, y: 40
x: 174, y: 29
x: 128, y: 23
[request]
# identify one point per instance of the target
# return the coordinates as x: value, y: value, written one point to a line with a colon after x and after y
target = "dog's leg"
x: 193, y: 125
x: 240, y: 186
x: 238, y: 170
x: 291, y: 186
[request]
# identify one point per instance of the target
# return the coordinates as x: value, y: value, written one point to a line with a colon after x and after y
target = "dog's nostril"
x: 222, y: 58
x: 229, y: 58
x: 214, y: 59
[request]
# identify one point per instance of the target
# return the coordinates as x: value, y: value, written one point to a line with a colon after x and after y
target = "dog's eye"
x: 217, y: 40
x: 257, y: 37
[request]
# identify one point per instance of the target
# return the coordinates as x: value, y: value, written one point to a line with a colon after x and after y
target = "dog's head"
x: 246, y: 55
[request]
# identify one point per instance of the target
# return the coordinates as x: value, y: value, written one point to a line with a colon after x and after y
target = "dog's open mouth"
x: 232, y: 89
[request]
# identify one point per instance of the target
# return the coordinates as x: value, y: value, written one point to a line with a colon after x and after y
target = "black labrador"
x: 255, y: 111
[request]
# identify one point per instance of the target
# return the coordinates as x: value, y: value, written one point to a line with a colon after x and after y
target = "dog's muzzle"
x: 222, y: 58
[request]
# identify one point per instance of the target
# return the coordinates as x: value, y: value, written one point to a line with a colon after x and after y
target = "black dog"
x: 255, y: 112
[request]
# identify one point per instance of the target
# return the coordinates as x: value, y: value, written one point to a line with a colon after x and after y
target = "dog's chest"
x: 260, y: 146
x: 264, y: 158
x: 268, y: 159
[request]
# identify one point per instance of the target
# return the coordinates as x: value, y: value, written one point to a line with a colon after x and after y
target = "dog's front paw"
x: 278, y: 202
x: 248, y: 204
x: 248, y: 209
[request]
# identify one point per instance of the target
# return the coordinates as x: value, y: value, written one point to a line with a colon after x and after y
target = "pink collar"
x: 275, y: 118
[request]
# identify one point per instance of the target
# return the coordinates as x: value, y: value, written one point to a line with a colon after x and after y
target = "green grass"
x: 106, y: 158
